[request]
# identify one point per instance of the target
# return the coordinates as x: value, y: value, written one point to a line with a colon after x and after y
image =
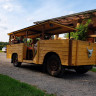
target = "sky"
x: 18, y: 14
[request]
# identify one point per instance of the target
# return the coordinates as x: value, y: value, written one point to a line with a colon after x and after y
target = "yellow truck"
x: 54, y: 54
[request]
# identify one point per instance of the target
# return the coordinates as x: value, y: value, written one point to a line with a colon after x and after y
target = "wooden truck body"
x: 74, y: 54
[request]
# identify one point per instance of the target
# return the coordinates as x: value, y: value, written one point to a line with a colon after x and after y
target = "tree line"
x: 3, y: 44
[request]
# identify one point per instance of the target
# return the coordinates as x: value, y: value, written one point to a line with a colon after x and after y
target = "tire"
x: 15, y: 61
x: 54, y: 67
x: 83, y: 69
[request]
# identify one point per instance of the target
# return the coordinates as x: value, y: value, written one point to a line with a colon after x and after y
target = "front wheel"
x: 83, y: 69
x: 15, y: 61
x: 54, y: 67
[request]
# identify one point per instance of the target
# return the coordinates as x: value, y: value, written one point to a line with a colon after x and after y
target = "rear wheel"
x: 83, y: 69
x: 15, y: 61
x: 54, y: 67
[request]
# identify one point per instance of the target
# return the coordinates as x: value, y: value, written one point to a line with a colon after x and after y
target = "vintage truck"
x: 54, y: 54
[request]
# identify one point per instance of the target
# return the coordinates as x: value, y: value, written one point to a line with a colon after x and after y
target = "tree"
x: 3, y: 44
x: 81, y: 33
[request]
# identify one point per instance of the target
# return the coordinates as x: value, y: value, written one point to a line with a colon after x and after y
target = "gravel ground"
x: 70, y: 84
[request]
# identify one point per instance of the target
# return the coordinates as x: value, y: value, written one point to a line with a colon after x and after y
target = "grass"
x: 0, y: 50
x: 12, y: 87
x: 93, y: 69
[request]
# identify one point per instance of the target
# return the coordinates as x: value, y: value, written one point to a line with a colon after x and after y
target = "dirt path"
x: 70, y: 84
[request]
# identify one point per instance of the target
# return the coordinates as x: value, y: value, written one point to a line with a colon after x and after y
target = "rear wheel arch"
x: 48, y: 55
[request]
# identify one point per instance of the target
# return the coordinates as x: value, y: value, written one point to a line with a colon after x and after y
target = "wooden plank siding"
x: 75, y: 54
x: 20, y: 49
x: 80, y: 53
x: 60, y: 47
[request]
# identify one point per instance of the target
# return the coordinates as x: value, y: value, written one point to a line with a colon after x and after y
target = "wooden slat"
x: 88, y: 63
x: 86, y: 57
x: 63, y: 53
x: 55, y: 45
x: 53, y: 49
x: 54, y: 41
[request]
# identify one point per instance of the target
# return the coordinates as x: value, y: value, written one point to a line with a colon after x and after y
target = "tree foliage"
x: 3, y: 44
x: 81, y: 33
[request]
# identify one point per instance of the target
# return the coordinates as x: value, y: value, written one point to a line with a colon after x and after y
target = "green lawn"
x: 93, y: 69
x: 0, y: 50
x: 12, y: 87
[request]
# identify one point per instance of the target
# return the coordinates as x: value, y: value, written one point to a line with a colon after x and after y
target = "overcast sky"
x: 17, y: 14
